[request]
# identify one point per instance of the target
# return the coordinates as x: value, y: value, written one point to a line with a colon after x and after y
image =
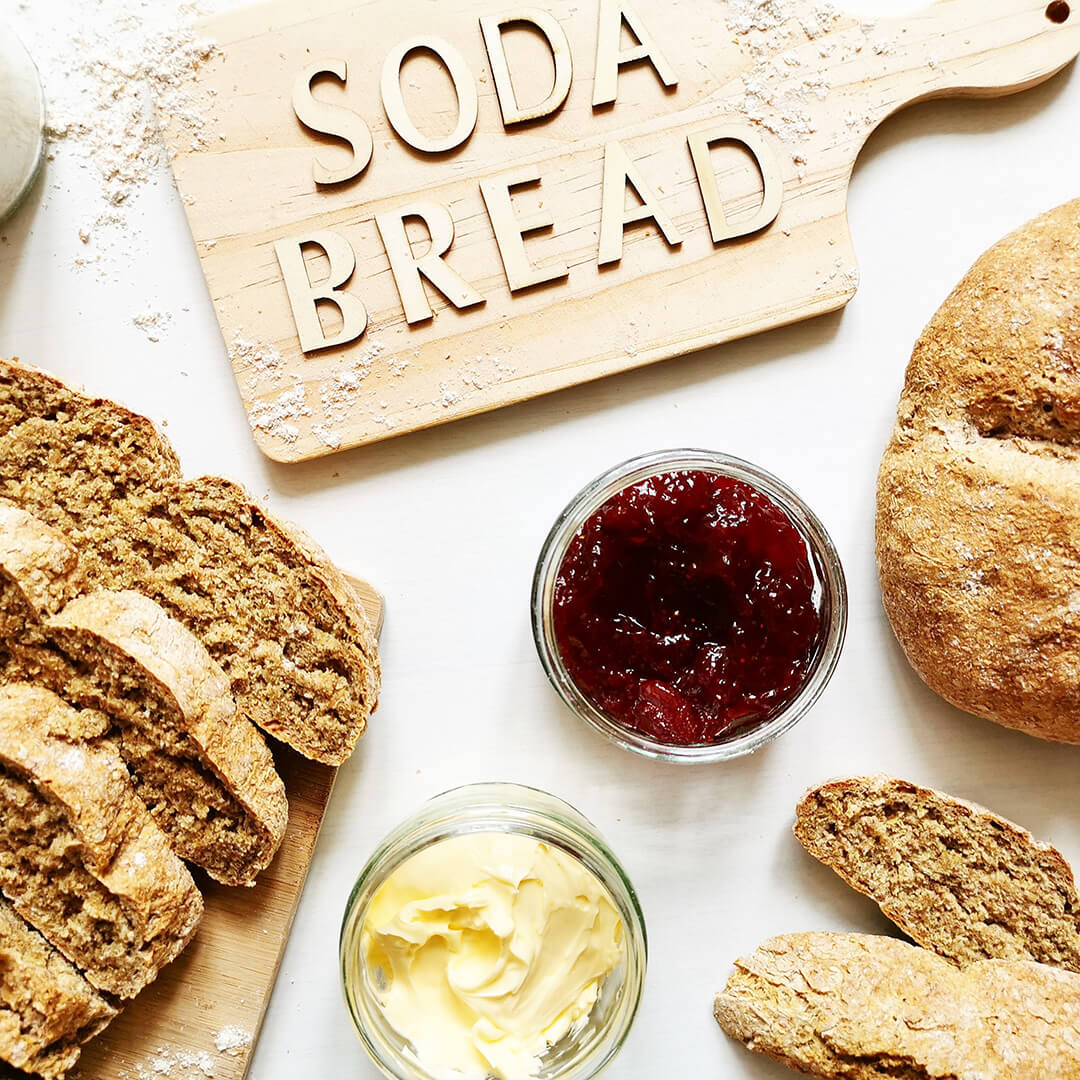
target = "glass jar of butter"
x: 488, y: 818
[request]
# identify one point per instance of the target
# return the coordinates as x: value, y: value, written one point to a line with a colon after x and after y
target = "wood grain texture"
x: 815, y: 87
x: 225, y: 976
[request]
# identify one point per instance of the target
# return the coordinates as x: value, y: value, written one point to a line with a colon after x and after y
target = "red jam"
x: 685, y: 607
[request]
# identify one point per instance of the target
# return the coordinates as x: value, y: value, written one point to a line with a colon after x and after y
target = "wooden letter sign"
x: 409, y: 211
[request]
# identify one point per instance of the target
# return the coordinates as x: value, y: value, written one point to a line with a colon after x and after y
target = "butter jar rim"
x: 493, y: 808
x: 832, y: 598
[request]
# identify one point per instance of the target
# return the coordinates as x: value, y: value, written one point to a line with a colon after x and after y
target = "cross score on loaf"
x: 801, y: 91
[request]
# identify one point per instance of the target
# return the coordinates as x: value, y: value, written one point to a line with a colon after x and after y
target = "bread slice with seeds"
x: 47, y: 1009
x: 264, y: 600
x: 81, y: 859
x: 953, y: 876
x: 874, y: 1008
x: 204, y: 772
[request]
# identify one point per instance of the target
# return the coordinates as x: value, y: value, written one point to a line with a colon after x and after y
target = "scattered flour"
x: 261, y: 362
x: 103, y: 67
x: 152, y: 323
x: 177, y: 1065
x: 232, y: 1039
x: 761, y: 15
x: 274, y: 416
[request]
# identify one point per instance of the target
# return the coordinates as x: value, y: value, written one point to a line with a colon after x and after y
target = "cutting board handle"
x: 972, y: 48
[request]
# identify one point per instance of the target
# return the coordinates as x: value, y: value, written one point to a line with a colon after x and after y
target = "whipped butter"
x: 485, y: 949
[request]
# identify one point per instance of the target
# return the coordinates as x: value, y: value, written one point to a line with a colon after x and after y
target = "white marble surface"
x: 448, y: 524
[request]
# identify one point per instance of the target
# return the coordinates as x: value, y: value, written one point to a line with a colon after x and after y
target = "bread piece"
x: 39, y: 571
x: 266, y: 602
x: 81, y: 859
x: 848, y: 1005
x: 954, y: 877
x: 978, y: 510
x: 205, y: 773
x: 47, y: 1009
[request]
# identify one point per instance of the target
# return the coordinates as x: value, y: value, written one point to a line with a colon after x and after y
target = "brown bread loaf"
x: 263, y: 599
x: 873, y: 1008
x: 204, y: 771
x: 81, y: 859
x: 954, y: 877
x: 978, y: 510
x: 47, y: 1009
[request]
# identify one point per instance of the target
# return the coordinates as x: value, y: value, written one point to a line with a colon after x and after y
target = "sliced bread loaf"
x: 47, y: 1009
x: 81, y: 859
x: 265, y: 601
x: 874, y: 1008
x: 953, y: 876
x: 204, y: 772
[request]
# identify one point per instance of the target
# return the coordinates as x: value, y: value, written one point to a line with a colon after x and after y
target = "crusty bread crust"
x: 79, y: 850
x: 271, y: 610
x: 47, y: 1009
x: 978, y: 509
x: 953, y: 876
x: 873, y: 1008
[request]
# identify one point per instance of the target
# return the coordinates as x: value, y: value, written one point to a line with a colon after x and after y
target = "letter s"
x: 333, y: 120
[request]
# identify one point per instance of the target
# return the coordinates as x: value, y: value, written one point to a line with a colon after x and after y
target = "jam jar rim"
x: 827, y: 567
x: 487, y: 807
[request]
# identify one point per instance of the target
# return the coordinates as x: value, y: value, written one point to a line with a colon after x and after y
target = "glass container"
x: 499, y: 808
x: 830, y: 598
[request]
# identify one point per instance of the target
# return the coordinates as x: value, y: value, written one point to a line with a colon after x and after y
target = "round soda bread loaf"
x: 978, y: 508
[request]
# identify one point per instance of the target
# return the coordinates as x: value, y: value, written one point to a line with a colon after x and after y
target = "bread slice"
x: 81, y: 859
x: 47, y: 1009
x: 848, y: 1005
x: 264, y: 600
x: 204, y: 772
x: 39, y: 571
x: 953, y: 876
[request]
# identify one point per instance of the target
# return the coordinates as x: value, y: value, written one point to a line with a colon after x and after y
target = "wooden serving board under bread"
x: 410, y: 211
x: 201, y: 1016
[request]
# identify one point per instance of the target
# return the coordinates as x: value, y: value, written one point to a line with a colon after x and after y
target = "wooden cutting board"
x: 802, y: 88
x: 216, y: 993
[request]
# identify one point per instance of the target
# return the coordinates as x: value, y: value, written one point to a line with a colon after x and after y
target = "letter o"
x: 464, y: 87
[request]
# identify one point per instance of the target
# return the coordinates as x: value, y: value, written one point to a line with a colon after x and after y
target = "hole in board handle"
x: 1058, y: 11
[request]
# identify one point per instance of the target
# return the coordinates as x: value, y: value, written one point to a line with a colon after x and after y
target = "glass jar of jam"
x: 689, y: 606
